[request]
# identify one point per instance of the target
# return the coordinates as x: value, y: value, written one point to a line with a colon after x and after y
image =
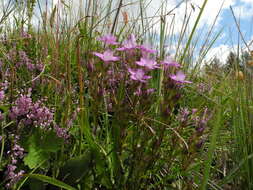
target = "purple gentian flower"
x: 148, y: 63
x: 169, y: 62
x: 150, y: 91
x: 107, y: 56
x: 108, y: 39
x: 138, y: 75
x: 146, y: 49
x: 138, y: 92
x: 179, y: 77
x: 129, y: 44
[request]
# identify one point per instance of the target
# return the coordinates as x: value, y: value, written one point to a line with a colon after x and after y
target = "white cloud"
x: 246, y: 1
x: 221, y: 52
x: 154, y: 10
x: 211, y: 10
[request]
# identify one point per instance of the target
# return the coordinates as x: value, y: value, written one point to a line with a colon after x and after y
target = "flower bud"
x: 239, y: 75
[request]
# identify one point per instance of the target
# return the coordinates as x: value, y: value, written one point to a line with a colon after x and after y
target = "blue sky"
x: 243, y: 10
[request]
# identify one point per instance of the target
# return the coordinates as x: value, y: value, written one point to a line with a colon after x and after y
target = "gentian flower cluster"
x: 108, y: 39
x: 133, y: 64
x: 198, y: 120
x: 169, y: 62
x: 129, y: 44
x: 107, y: 56
x: 179, y: 77
x: 146, y: 62
x: 138, y: 75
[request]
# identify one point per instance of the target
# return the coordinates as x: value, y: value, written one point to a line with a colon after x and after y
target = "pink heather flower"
x: 12, y: 175
x: 179, y: 77
x: 148, y: 63
x: 169, y: 62
x: 138, y: 75
x: 129, y: 44
x: 107, y: 56
x: 2, y: 95
x: 29, y: 113
x: 108, y: 39
x: 61, y: 132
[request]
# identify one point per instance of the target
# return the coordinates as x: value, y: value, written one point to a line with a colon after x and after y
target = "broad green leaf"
x: 35, y: 157
x: 36, y: 184
x: 51, y: 181
x: 50, y: 143
x: 40, y: 147
x: 76, y: 168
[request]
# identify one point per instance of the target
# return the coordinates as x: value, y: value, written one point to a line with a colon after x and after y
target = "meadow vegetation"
x: 107, y: 101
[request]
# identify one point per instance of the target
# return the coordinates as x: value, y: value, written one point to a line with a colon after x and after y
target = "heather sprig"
x: 28, y: 113
x: 12, y: 175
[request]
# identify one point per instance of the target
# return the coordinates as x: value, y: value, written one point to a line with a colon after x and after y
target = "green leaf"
x: 39, y: 148
x: 35, y: 157
x: 4, y: 108
x: 51, y: 181
x: 36, y: 184
x: 76, y: 168
x: 50, y: 143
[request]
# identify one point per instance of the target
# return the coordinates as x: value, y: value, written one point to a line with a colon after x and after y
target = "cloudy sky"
x: 228, y: 40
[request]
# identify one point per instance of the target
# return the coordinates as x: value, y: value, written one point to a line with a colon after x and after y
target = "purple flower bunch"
x: 3, y: 88
x: 28, y: 112
x: 11, y: 174
x: 2, y: 95
x: 199, y: 120
x: 203, y: 88
x: 21, y: 59
x: 131, y: 66
x: 62, y: 132
x: 138, y: 69
x: 191, y: 117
